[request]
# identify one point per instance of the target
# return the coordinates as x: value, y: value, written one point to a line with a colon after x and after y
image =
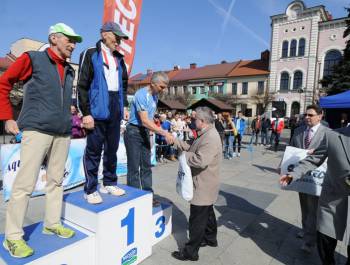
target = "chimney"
x: 265, y: 55
x: 176, y: 67
x: 193, y: 66
x: 329, y: 15
x: 149, y: 71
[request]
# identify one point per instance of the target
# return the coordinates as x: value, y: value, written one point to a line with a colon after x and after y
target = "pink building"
x: 306, y: 42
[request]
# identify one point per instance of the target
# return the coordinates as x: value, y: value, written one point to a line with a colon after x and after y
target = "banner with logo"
x: 311, y: 182
x: 126, y: 13
x: 74, y: 170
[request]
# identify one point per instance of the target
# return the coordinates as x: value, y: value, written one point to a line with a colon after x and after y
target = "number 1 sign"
x: 123, y: 226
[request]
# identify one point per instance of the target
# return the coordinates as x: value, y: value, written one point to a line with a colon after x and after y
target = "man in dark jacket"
x: 256, y: 128
x: 265, y: 126
x: 102, y: 91
x: 45, y: 121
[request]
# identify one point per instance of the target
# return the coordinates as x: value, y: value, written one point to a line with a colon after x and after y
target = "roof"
x: 250, y: 68
x: 215, y: 104
x: 5, y: 62
x: 171, y: 104
x: 208, y: 71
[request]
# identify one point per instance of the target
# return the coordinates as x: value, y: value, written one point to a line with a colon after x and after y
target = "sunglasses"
x: 310, y: 115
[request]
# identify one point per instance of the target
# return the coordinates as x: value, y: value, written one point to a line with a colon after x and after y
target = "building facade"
x: 305, y: 45
x: 242, y: 84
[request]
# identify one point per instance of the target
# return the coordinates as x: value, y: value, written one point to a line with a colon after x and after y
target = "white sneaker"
x: 93, y: 198
x: 234, y: 154
x: 114, y: 190
x: 238, y: 154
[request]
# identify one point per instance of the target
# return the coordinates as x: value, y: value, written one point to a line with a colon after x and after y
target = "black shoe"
x: 205, y: 243
x: 181, y: 255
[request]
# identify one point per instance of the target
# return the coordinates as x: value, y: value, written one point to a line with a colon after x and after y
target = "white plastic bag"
x: 184, y: 182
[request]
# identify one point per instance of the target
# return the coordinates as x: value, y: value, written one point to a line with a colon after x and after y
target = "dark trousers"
x: 202, y: 228
x: 138, y: 152
x: 105, y: 136
x: 275, y: 137
x: 264, y: 137
x: 237, y: 139
x: 256, y: 135
x: 309, y: 206
x: 326, y: 248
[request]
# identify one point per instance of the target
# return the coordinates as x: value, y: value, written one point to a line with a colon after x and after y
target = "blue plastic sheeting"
x: 338, y: 101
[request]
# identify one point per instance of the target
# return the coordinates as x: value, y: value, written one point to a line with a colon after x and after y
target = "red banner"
x: 126, y: 13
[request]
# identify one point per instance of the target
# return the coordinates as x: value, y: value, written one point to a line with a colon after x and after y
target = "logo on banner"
x: 130, y: 257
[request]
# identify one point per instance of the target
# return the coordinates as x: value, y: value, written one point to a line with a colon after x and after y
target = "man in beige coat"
x: 204, y: 156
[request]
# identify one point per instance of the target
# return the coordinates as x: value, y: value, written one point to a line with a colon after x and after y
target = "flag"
x: 126, y: 13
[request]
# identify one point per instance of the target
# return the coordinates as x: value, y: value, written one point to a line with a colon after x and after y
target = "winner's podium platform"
x: 120, y: 231
x: 52, y: 250
x: 125, y: 227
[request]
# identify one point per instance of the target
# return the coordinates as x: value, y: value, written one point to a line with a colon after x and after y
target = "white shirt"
x: 111, y: 72
x: 313, y: 130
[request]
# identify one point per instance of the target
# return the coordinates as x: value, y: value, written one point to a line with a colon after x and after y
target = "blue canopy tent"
x: 338, y: 101
x: 336, y: 106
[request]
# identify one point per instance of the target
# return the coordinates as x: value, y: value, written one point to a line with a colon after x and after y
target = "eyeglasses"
x: 310, y: 115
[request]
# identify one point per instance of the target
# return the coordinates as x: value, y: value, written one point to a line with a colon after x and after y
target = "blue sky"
x: 171, y: 32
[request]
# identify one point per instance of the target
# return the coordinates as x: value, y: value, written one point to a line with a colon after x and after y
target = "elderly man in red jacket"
x: 45, y: 121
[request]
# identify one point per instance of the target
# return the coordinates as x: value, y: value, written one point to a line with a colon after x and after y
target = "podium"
x: 52, y: 250
x: 122, y: 225
x: 162, y: 222
x: 120, y: 231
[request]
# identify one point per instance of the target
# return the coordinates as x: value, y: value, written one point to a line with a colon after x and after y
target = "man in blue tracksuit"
x: 102, y: 94
x: 240, y: 126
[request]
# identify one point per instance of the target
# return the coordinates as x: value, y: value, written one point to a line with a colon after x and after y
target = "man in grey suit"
x: 332, y: 212
x: 309, y: 136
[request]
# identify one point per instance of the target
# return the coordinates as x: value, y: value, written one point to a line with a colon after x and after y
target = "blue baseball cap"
x: 115, y: 28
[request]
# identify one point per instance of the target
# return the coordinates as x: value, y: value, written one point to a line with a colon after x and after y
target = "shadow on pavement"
x: 273, y: 236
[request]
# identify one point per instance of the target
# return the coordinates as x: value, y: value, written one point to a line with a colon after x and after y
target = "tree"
x: 186, y: 98
x: 339, y: 81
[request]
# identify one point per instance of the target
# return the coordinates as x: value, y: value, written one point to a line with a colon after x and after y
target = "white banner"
x: 74, y: 171
x: 311, y: 182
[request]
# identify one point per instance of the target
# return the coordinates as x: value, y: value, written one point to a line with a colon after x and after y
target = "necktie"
x: 308, y: 138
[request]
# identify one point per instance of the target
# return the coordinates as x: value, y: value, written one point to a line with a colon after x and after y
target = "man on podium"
x: 137, y: 138
x: 102, y: 90
x: 45, y: 121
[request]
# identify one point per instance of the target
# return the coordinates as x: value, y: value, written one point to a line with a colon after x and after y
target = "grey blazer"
x: 299, y: 136
x: 333, y: 202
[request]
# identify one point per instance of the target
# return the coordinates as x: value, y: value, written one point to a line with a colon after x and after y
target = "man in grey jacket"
x: 309, y: 136
x: 333, y: 202
x: 203, y: 156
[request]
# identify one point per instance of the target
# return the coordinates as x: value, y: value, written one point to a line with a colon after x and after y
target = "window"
x: 211, y: 89
x: 245, y: 88
x: 221, y: 89
x: 185, y: 90
x: 301, y: 50
x: 285, y: 49
x: 293, y: 48
x: 332, y: 58
x: 234, y: 88
x: 194, y: 90
x: 176, y: 90
x: 298, y: 80
x: 284, y: 85
x: 261, y: 87
x: 244, y: 108
x: 202, y: 88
